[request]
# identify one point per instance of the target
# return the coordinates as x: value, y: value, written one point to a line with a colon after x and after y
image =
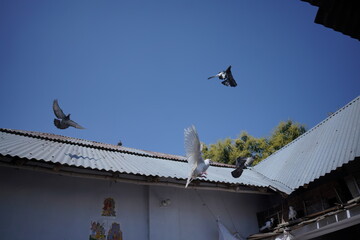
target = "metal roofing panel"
x: 329, y: 145
x: 79, y: 153
x: 91, y: 144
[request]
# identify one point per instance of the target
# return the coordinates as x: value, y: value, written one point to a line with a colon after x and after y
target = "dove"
x: 193, y: 149
x: 292, y: 213
x: 63, y: 120
x: 241, y: 164
x: 268, y: 225
x: 227, y: 77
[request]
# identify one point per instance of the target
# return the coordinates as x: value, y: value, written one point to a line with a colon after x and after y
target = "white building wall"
x: 35, y: 205
x: 192, y: 213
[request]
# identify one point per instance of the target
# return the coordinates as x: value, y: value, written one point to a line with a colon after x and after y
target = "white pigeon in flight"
x: 193, y: 155
x: 63, y: 120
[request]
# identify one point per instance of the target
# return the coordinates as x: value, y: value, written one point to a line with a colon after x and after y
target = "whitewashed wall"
x: 36, y: 205
x: 192, y: 213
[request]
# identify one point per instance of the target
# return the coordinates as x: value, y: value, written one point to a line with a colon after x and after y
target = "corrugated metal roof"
x: 329, y: 145
x: 342, y: 16
x: 98, y: 156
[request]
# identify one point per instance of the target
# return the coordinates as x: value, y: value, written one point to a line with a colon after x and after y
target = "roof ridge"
x: 315, y: 127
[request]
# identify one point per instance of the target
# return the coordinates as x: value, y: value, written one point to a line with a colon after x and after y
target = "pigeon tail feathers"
x: 188, y: 182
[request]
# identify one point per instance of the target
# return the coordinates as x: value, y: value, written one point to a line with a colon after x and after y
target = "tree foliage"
x: 228, y: 150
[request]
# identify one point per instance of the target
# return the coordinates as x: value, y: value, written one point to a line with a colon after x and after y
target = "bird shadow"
x: 80, y: 157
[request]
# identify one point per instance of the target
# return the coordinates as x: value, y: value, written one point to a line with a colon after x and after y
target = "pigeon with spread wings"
x: 193, y: 155
x: 63, y: 120
x: 227, y: 77
x: 241, y: 164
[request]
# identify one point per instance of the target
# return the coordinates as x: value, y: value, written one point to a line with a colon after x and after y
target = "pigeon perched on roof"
x: 227, y: 77
x: 241, y: 164
x: 292, y: 213
x: 193, y: 155
x: 63, y: 120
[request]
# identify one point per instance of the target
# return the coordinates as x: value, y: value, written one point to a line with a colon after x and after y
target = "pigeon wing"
x: 230, y: 77
x: 74, y: 124
x: 231, y: 81
x: 193, y: 147
x: 249, y: 161
x: 57, y: 110
x: 237, y: 172
x: 217, y: 75
x: 240, y: 164
x: 226, y: 82
x: 228, y: 70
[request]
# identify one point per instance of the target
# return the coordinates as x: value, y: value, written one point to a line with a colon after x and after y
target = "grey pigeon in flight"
x: 227, y: 77
x: 193, y: 155
x: 241, y: 164
x: 63, y: 120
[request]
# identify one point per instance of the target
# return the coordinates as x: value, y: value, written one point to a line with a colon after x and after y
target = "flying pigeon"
x: 63, y: 120
x: 227, y: 77
x: 292, y: 213
x: 193, y: 155
x: 241, y: 164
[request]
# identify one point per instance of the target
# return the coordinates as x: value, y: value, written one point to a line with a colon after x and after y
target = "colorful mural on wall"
x: 105, y: 227
x: 109, y: 207
x: 114, y: 232
x: 97, y: 231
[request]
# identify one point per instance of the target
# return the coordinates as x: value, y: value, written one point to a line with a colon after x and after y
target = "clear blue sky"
x: 136, y: 70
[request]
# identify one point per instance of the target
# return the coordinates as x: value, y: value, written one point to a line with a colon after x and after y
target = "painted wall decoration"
x: 114, y: 232
x: 105, y: 227
x: 109, y: 207
x: 97, y: 231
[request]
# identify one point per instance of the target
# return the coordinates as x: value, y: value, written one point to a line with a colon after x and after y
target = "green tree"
x: 228, y: 150
x: 220, y: 151
x: 283, y: 134
x: 247, y: 145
